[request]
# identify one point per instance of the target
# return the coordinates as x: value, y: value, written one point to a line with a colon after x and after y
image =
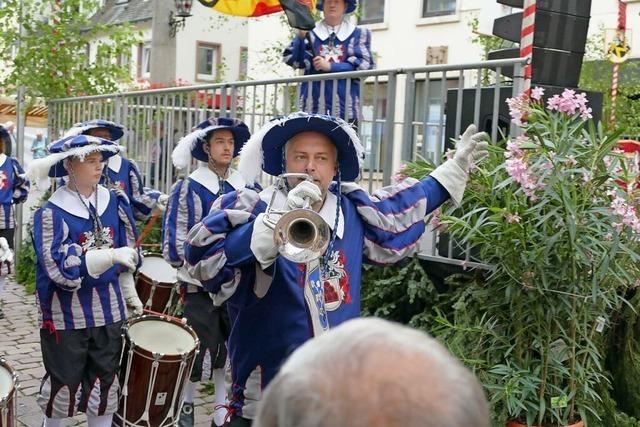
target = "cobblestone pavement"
x: 20, y: 346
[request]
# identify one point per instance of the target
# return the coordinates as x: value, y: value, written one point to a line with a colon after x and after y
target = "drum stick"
x: 177, y: 319
x: 147, y: 228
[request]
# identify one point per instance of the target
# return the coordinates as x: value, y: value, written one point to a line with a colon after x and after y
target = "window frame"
x: 244, y: 60
x: 218, y: 59
x: 382, y: 21
x: 425, y: 15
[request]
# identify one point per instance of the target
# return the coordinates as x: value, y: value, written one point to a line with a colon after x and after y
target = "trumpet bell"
x: 301, y: 235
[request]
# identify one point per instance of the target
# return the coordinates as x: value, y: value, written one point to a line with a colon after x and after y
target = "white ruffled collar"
x: 343, y: 31
x: 3, y: 158
x: 327, y: 212
x: 68, y: 200
x: 115, y: 163
x: 210, y: 180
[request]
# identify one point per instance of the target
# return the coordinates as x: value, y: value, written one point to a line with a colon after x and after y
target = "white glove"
x: 297, y: 197
x: 100, y: 260
x: 6, y: 254
x: 453, y: 173
x: 471, y: 148
x: 262, y: 244
x: 129, y: 293
x: 161, y: 204
x: 126, y: 256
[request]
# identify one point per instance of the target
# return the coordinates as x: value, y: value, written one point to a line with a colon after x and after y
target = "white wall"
x: 145, y: 30
x: 209, y: 26
x: 268, y: 35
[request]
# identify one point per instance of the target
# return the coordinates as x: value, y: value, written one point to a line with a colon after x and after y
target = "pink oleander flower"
x: 435, y: 220
x: 627, y: 213
x: 400, y: 175
x: 570, y: 103
x: 518, y: 109
x: 517, y: 167
x: 512, y: 218
x: 513, y: 147
x: 537, y: 93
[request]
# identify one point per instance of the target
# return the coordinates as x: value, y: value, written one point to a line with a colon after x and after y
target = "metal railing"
x: 401, y: 114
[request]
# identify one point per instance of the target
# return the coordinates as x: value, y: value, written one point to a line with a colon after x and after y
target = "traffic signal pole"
x: 526, y: 41
x: 622, y: 26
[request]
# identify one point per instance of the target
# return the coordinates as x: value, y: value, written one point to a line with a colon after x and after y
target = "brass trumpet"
x: 301, y: 235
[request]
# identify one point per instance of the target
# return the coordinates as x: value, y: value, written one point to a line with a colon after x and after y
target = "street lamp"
x: 177, y: 20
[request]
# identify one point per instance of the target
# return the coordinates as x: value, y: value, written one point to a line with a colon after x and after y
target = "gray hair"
x: 371, y: 372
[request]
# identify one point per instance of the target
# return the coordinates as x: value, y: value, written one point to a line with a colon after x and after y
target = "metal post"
x: 389, y: 128
x: 409, y: 112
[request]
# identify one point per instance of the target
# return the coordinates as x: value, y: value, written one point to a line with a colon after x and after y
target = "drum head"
x: 156, y: 268
x: 160, y: 336
x: 6, y: 382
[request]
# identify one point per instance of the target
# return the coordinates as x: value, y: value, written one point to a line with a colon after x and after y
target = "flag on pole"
x: 298, y: 11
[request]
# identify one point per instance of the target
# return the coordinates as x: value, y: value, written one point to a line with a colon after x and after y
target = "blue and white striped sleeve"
x: 21, y: 185
x: 393, y: 217
x: 359, y: 52
x: 297, y: 54
x: 143, y: 199
x: 183, y: 207
x: 208, y: 244
x: 62, y: 260
x: 128, y: 235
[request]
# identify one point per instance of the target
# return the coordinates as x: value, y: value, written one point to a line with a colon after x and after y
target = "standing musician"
x: 278, y: 304
x: 14, y: 189
x: 84, y: 238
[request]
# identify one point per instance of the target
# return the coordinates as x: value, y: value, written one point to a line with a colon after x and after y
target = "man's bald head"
x: 371, y: 372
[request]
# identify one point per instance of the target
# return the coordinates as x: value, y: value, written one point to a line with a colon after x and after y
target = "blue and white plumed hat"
x: 71, y: 146
x: 191, y: 144
x: 352, y: 5
x: 116, y: 130
x: 264, y: 151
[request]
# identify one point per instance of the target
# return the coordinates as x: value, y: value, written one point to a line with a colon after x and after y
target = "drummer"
x: 84, y: 238
x: 216, y: 142
x: 121, y: 172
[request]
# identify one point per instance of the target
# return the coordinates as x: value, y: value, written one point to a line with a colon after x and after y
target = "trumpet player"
x: 271, y: 311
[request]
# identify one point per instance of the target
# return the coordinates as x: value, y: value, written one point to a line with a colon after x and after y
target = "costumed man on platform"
x: 336, y: 45
x: 216, y: 142
x: 84, y: 238
x: 14, y: 189
x: 121, y: 172
x: 278, y: 304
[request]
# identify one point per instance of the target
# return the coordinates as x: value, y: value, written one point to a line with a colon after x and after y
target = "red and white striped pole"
x: 526, y: 41
x: 622, y: 26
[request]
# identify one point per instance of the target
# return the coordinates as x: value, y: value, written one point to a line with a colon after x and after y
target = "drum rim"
x: 14, y: 376
x: 164, y: 318
x: 153, y: 281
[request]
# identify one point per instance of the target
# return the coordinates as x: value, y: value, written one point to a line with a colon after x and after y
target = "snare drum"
x: 8, y: 395
x: 157, y: 284
x: 157, y: 359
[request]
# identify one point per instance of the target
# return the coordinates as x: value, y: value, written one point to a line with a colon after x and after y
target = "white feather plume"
x: 181, y: 155
x: 38, y: 170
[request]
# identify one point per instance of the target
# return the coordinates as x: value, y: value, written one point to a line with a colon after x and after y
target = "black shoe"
x: 186, y: 415
x: 1, y: 313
